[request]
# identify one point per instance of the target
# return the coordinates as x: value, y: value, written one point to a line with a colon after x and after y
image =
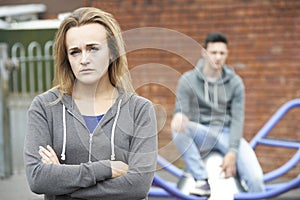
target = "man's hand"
x: 48, y: 155
x: 179, y: 122
x: 118, y: 168
x: 229, y: 164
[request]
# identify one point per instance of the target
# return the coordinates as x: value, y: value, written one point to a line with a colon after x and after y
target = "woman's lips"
x: 86, y: 70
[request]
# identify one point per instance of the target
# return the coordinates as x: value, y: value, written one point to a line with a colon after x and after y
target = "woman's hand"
x: 118, y: 168
x: 48, y: 155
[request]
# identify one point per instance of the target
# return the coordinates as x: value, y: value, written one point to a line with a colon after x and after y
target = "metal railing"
x: 36, y: 68
x: 28, y: 72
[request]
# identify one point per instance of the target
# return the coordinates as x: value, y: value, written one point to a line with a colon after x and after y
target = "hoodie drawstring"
x: 112, y: 139
x: 206, y: 94
x: 215, y: 95
x: 113, y: 155
x: 63, y: 153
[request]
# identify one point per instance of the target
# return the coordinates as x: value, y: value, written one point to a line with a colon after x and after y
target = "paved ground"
x: 16, y: 188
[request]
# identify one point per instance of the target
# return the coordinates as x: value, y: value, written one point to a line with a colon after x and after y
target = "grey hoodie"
x: 127, y: 133
x: 219, y: 103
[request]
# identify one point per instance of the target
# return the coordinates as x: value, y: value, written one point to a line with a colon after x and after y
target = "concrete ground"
x: 16, y: 188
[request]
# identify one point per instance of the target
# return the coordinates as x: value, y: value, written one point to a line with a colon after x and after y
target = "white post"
x: 5, y: 143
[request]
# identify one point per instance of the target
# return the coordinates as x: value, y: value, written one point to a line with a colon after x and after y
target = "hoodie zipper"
x: 91, y: 135
x: 112, y: 133
x: 90, y: 147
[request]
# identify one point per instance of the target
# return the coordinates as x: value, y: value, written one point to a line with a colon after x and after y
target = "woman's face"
x: 88, y: 52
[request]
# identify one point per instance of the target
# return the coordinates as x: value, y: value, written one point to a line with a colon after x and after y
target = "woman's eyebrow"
x: 87, y: 45
x: 72, y: 48
x: 93, y: 44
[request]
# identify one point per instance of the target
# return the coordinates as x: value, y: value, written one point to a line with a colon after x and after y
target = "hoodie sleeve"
x: 142, y: 157
x: 54, y: 179
x: 185, y: 97
x: 237, y: 115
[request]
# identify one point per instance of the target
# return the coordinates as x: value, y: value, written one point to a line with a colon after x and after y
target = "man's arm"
x: 184, y: 96
x: 236, y: 129
x: 237, y: 116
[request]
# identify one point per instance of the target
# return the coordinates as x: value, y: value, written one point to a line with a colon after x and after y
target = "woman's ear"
x: 112, y: 58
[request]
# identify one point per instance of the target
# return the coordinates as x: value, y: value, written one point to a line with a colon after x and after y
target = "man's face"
x: 218, y: 52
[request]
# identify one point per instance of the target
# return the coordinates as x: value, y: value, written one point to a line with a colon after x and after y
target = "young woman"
x: 90, y: 137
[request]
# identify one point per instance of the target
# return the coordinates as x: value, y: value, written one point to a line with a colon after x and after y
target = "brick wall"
x: 264, y: 48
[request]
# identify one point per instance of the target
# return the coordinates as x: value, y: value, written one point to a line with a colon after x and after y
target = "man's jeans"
x: 200, y: 138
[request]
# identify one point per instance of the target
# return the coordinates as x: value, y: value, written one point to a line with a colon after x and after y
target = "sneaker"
x: 201, y: 188
x: 186, y: 182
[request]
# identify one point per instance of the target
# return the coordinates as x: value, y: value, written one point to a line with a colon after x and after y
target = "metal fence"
x: 35, y: 72
x: 32, y: 74
x: 26, y: 69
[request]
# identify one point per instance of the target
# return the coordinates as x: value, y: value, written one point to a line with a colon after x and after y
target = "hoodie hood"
x: 227, y: 72
x: 68, y: 105
x: 211, y: 89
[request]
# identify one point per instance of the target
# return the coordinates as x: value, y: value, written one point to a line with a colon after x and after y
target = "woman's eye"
x: 73, y: 53
x: 94, y: 48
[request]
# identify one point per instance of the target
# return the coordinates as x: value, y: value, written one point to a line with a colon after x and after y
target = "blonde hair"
x: 118, y: 69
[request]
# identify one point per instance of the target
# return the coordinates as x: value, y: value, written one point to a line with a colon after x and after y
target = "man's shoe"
x: 201, y: 188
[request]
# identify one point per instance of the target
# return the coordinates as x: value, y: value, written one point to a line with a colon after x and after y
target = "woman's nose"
x: 85, y: 58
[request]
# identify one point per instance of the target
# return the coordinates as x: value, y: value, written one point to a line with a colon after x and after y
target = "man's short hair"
x: 215, y: 37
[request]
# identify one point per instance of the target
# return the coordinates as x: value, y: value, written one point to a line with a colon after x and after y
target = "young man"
x: 209, y: 115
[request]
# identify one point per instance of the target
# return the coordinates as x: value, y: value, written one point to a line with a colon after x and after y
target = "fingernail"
x: 48, y: 146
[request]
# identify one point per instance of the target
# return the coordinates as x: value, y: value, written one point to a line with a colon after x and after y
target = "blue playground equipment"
x: 168, y: 189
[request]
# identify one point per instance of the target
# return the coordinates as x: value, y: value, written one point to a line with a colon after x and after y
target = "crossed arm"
x: 48, y: 156
x: 103, y: 179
